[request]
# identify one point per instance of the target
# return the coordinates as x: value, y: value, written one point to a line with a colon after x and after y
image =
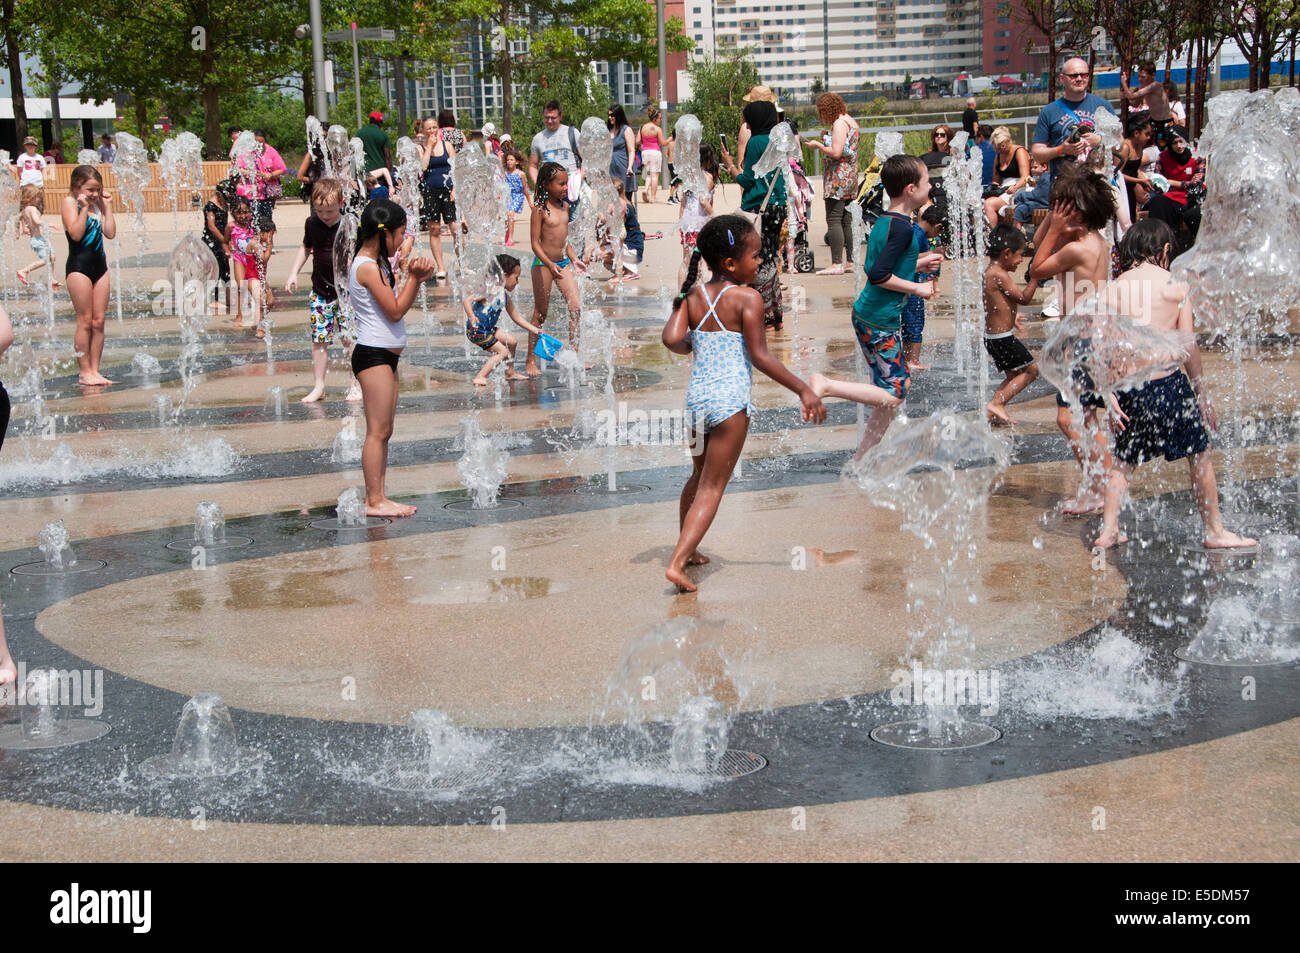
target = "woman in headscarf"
x: 760, y: 118
x: 1181, y: 169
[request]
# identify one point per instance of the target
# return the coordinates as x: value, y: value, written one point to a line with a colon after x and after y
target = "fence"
x: 157, y: 197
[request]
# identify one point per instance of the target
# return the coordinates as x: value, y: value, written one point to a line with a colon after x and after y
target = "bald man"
x: 969, y: 116
x: 1052, y: 142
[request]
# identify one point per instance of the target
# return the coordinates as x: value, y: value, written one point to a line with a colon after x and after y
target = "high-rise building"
x: 844, y: 43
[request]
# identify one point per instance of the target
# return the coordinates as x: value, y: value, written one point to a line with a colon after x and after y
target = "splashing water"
x: 205, y: 744
x: 275, y: 402
x: 1239, y: 631
x: 145, y: 365
x: 132, y: 172
x: 53, y: 544
x: 1113, y: 677
x: 482, y: 469
x: 347, y: 445
x: 160, y: 409
x: 209, y: 523
x: 351, y: 507
x: 699, y: 737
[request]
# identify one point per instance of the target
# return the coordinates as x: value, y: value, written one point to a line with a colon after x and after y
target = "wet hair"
x: 709, y: 161
x: 446, y: 119
x: 720, y: 238
x: 552, y: 105
x: 830, y: 106
x: 326, y: 190
x: 231, y: 130
x: 239, y: 203
x: 932, y: 215
x: 1136, y: 124
x: 1087, y: 192
x: 509, y: 265
x: 382, y: 217
x: 371, y: 181
x: 1147, y: 242
x: 899, y: 172
x: 227, y: 188
x: 80, y: 175
x: 30, y: 195
x: 620, y: 117
x: 1005, y: 238
x: 1146, y: 66
x: 545, y: 175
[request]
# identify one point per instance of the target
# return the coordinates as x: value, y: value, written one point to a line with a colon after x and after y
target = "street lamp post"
x: 663, y: 98
x: 354, y: 33
x: 318, y: 62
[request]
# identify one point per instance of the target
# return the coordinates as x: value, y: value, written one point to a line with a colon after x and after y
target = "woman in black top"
x: 1129, y: 157
x: 940, y: 153
x: 216, y: 232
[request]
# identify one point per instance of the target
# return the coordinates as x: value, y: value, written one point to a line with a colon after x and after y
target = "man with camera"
x: 1065, y: 127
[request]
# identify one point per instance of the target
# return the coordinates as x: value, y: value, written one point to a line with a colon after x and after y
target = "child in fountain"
x: 1002, y: 299
x: 6, y: 339
x: 1166, y: 416
x: 927, y: 226
x: 381, y: 336
x: 695, y: 210
x: 516, y: 204
x: 87, y: 221
x: 481, y: 320
x: 318, y: 235
x: 1070, y: 246
x: 216, y: 232
x: 246, y: 255
x: 721, y: 325
x: 31, y: 198
x: 554, y: 260
x: 894, y: 256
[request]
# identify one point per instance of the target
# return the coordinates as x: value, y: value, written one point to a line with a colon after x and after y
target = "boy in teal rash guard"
x: 893, y: 257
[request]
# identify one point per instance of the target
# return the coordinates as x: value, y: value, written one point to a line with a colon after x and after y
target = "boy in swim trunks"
x: 893, y: 258
x: 1071, y: 247
x: 1002, y: 299
x: 318, y: 235
x: 1166, y: 416
x: 481, y: 320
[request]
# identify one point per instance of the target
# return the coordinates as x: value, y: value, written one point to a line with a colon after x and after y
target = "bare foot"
x: 832, y: 270
x: 1226, y: 540
x: 1085, y: 504
x: 1109, y: 538
x: 354, y: 392
x: 679, y: 579
x: 998, y: 414
x: 388, y: 508
x: 480, y: 382
x: 316, y: 394
x: 261, y: 333
x: 819, y: 384
x: 531, y: 370
x: 93, y: 380
x: 514, y: 375
x: 697, y: 558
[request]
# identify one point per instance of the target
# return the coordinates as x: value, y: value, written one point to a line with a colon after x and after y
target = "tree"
x: 818, y: 87
x: 1262, y: 29
x: 718, y: 86
x: 16, y: 15
x: 1057, y: 22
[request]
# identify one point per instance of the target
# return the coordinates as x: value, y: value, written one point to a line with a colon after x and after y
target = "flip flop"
x: 21, y: 277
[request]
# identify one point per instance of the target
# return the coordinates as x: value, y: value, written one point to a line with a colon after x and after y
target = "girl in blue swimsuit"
x: 87, y: 221
x: 721, y: 324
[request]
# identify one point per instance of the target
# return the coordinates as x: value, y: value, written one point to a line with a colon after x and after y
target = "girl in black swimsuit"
x: 87, y: 221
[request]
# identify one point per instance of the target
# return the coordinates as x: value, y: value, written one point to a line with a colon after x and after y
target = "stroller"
x: 802, y: 257
x: 871, y: 194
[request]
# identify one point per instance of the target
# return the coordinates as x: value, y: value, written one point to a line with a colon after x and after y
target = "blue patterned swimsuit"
x: 721, y: 375
x: 483, y: 329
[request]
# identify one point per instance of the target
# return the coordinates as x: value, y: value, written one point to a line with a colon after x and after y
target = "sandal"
x: 833, y: 270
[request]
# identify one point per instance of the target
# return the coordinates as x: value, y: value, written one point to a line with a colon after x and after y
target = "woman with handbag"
x: 763, y: 199
x: 269, y: 168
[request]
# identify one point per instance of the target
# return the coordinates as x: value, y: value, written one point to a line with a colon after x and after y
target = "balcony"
x: 885, y: 33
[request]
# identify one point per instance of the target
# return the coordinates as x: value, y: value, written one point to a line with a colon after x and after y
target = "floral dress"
x: 841, y: 178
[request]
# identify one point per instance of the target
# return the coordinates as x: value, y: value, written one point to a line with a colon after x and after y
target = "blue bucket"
x: 547, y: 347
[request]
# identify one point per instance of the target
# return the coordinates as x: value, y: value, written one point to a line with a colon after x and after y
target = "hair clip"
x: 731, y: 240
x: 381, y: 225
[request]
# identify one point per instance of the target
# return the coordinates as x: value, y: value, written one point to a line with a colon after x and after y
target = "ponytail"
x: 692, y: 273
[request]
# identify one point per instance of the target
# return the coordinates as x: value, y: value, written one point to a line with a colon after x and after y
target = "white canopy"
x: 70, y: 108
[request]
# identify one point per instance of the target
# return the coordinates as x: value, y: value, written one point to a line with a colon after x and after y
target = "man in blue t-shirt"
x: 980, y: 141
x: 1052, y: 143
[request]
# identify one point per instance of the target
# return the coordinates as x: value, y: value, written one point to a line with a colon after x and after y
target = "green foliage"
x: 717, y: 87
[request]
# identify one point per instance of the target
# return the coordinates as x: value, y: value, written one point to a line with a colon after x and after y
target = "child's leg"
x: 1090, y: 449
x: 499, y: 354
x: 868, y: 394
x: 1205, y: 489
x: 511, y: 343
x: 435, y: 245
x: 319, y: 362
x: 81, y: 291
x: 349, y: 345
x: 241, y: 274
x: 8, y: 671
x: 722, y: 448
x: 255, y: 301
x: 568, y: 284
x: 1012, y: 384
x: 1116, y: 487
x: 542, y: 280
x: 99, y: 308
x: 379, y: 385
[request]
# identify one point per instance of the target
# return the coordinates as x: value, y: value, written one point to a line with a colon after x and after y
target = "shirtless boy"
x: 1073, y: 249
x: 1002, y: 299
x: 1150, y: 92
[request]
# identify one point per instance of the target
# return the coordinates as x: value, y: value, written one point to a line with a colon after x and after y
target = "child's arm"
x: 751, y: 316
x: 468, y: 307
x: 514, y: 316
x: 1055, y: 254
x: 383, y: 173
x: 298, y: 261
x: 705, y: 204
x: 675, y: 331
x: 394, y: 305
x: 108, y: 224
x: 75, y: 214
x: 6, y: 331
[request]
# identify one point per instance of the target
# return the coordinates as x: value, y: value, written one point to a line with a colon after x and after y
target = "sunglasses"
x: 941, y: 135
x: 1076, y: 75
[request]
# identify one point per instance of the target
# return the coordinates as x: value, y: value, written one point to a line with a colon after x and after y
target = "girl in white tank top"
x: 381, y: 335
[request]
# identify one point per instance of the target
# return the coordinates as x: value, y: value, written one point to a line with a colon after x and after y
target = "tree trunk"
x: 1291, y: 78
x: 142, y: 117
x: 1051, y: 65
x: 210, y: 96
x: 15, y: 74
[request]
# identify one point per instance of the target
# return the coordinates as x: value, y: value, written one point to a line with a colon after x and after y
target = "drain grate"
x: 333, y: 523
x: 41, y: 569
x: 600, y: 489
x: 227, y: 542
x: 414, y: 782
x: 734, y: 763
x: 916, y: 735
x: 502, y: 503
x: 1185, y: 654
